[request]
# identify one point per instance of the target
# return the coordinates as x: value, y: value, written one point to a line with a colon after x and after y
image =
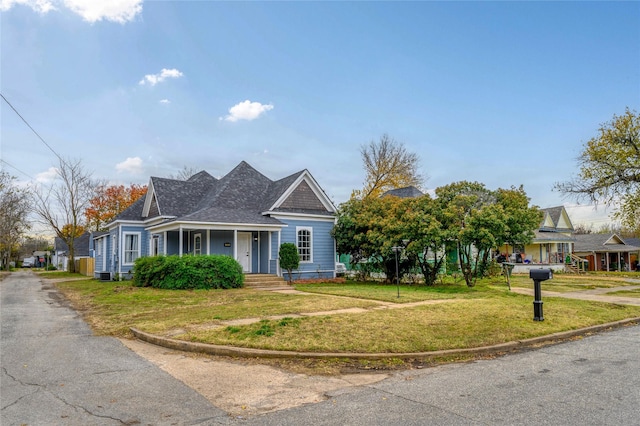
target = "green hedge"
x: 188, y: 272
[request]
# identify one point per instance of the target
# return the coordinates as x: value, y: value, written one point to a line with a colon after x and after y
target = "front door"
x: 244, y: 251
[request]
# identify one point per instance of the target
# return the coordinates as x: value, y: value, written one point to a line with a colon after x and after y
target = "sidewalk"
x: 594, y: 295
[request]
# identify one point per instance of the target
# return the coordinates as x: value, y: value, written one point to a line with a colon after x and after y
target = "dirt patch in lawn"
x: 245, y: 387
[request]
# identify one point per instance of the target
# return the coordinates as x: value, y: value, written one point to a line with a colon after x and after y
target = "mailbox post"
x: 538, y: 275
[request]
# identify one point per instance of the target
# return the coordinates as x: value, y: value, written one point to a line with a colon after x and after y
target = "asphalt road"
x: 55, y: 372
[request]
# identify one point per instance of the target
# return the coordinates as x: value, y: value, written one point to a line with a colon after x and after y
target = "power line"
x: 32, y: 129
x: 14, y: 167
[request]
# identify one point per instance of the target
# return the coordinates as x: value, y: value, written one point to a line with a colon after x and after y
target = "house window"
x: 131, y: 248
x: 99, y: 247
x: 197, y: 244
x: 304, y: 244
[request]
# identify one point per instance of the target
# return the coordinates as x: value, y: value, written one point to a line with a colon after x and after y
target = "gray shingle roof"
x: 80, y: 245
x: 134, y: 212
x: 596, y: 243
x: 241, y: 196
x: 406, y: 192
x: 550, y: 237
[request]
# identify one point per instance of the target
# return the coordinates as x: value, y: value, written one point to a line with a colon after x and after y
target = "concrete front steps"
x: 264, y: 281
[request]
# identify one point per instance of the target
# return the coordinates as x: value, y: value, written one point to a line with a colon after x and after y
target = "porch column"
x: 235, y: 244
x: 259, y: 264
x: 619, y: 262
x: 270, y: 253
x: 208, y: 241
x: 278, y: 270
x: 180, y: 241
x: 164, y: 243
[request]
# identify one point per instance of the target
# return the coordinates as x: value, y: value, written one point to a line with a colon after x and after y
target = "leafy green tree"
x: 483, y: 220
x: 462, y: 202
x: 425, y: 229
x: 610, y: 169
x: 289, y: 258
x: 521, y: 219
x: 368, y: 229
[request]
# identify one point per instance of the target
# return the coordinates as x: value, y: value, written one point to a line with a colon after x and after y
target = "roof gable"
x: 556, y: 219
x: 301, y: 193
x: 302, y: 197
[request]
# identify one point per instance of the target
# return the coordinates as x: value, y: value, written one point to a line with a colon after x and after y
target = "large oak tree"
x: 610, y: 169
x: 388, y: 165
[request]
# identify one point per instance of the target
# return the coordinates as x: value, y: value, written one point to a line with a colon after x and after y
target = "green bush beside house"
x: 188, y: 272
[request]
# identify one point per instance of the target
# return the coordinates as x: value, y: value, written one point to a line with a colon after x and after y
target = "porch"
x: 255, y: 249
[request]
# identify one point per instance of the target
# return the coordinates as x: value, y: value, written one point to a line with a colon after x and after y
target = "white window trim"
x: 310, y: 229
x: 124, y: 247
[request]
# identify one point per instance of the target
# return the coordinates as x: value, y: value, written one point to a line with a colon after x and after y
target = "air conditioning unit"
x: 105, y: 276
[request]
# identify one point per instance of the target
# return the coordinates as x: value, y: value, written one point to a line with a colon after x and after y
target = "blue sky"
x: 504, y: 93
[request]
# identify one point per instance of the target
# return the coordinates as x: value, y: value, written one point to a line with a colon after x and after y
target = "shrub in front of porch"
x: 188, y: 272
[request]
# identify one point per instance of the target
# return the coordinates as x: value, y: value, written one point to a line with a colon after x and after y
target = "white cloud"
x: 153, y: 79
x: 130, y: 165
x: 165, y: 101
x: 120, y: 11
x: 246, y: 110
x: 48, y: 176
x: 40, y: 6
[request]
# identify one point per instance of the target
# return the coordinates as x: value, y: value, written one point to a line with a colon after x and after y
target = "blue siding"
x: 218, y: 239
x: 323, y: 248
x: 173, y: 243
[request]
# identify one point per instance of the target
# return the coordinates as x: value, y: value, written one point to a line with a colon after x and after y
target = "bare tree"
x: 14, y: 212
x: 185, y: 173
x: 388, y: 165
x: 62, y: 205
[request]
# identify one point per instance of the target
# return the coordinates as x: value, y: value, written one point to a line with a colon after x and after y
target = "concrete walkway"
x: 594, y: 295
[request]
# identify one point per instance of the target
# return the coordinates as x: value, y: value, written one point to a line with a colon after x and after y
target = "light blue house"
x: 244, y: 215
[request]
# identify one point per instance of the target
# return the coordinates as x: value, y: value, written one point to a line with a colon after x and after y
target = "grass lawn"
x: 458, y: 317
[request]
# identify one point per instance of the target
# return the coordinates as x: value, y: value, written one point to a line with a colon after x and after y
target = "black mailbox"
x: 540, y: 274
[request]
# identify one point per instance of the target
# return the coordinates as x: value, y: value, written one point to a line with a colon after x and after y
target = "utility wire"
x: 14, y: 167
x: 32, y: 129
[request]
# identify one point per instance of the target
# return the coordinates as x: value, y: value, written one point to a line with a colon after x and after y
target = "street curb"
x: 235, y: 351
